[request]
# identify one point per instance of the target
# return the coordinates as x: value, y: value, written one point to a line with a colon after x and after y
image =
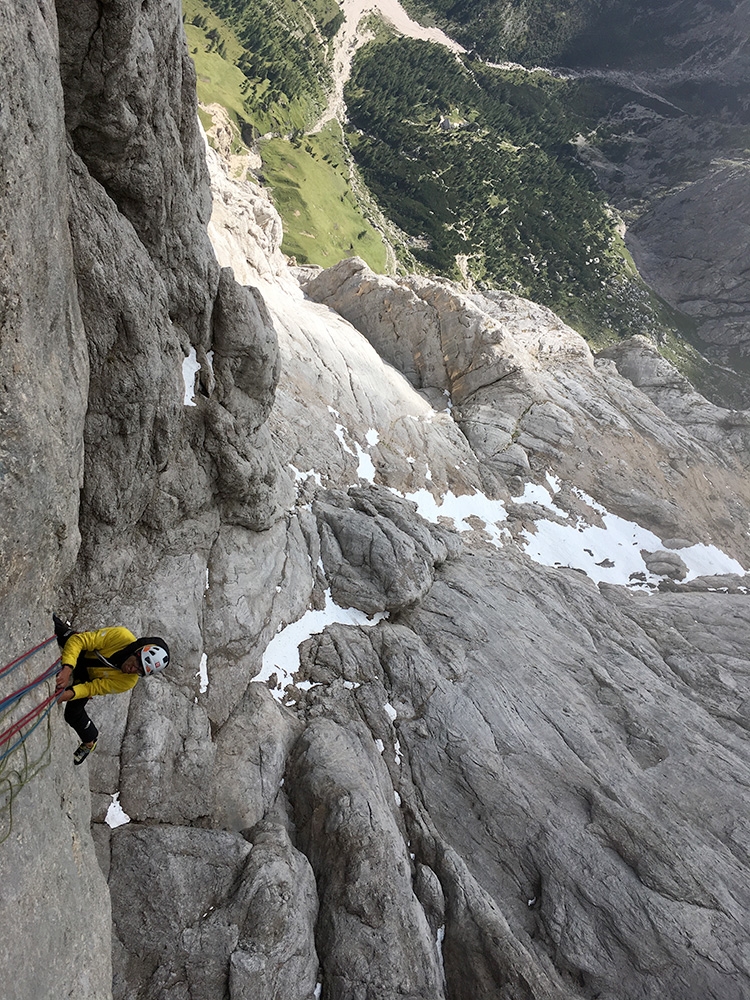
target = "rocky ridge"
x: 480, y: 775
x: 673, y: 159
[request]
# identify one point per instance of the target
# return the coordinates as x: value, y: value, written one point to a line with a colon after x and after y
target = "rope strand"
x: 13, y: 780
x: 17, y: 726
x: 17, y: 695
x: 9, y: 667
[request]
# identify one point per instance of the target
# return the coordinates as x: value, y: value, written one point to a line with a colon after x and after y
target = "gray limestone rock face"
x: 167, y: 757
x: 252, y: 748
x: 243, y: 213
x: 131, y: 112
x: 639, y: 361
x: 153, y: 459
x: 554, y: 747
x: 373, y: 936
x: 691, y: 247
x: 663, y: 563
x: 378, y: 554
x: 55, y: 913
x: 528, y: 395
x: 518, y: 783
x: 205, y: 913
x: 135, y: 358
x: 243, y: 374
x: 276, y: 956
x: 43, y: 364
x: 673, y: 159
x: 173, y: 919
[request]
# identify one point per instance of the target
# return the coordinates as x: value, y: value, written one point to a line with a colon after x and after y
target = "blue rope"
x: 17, y: 695
x: 28, y: 732
x: 17, y: 663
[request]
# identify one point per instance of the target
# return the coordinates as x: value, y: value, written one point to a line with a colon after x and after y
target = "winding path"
x: 349, y: 38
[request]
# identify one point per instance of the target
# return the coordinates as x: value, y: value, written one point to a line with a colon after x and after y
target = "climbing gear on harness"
x: 81, y: 752
x: 154, y: 658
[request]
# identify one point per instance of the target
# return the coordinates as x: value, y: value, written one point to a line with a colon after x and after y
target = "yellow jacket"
x: 104, y: 679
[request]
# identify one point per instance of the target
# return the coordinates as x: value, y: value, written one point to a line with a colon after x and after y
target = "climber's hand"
x: 63, y: 678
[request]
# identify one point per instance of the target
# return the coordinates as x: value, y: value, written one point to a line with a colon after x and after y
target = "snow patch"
x: 281, y: 656
x: 116, y: 815
x: 365, y: 468
x: 460, y: 509
x: 302, y: 477
x: 535, y: 493
x: 203, y: 673
x: 612, y: 553
x: 190, y: 368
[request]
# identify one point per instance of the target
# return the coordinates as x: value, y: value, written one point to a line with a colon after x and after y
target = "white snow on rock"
x: 301, y: 477
x: 612, y: 553
x: 190, y: 368
x: 459, y: 509
x: 116, y: 815
x: 203, y: 674
x: 365, y: 468
x: 282, y: 653
x: 534, y: 493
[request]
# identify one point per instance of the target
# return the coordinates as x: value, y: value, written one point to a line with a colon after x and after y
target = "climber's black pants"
x: 75, y: 711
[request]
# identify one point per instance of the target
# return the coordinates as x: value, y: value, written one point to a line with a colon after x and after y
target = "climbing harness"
x: 14, y: 735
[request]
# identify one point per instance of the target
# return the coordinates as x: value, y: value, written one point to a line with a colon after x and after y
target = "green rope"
x: 18, y: 777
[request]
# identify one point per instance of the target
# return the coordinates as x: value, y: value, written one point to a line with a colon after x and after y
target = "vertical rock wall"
x: 109, y: 481
x: 55, y: 914
x: 520, y: 785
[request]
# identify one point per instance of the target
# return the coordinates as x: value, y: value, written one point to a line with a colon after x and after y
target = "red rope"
x: 17, y: 695
x: 29, y: 652
x: 17, y: 726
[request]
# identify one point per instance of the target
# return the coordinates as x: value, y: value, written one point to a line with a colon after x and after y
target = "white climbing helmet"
x: 154, y: 658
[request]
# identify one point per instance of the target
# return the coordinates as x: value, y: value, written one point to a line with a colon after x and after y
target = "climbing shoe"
x: 82, y: 753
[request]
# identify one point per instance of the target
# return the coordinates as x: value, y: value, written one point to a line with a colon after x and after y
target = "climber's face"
x: 132, y: 665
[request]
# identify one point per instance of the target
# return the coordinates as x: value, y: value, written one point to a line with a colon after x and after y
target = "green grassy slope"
x: 248, y: 58
x: 263, y: 60
x: 309, y: 180
x: 215, y: 49
x: 477, y: 166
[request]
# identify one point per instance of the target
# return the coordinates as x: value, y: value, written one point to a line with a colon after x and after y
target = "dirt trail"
x: 349, y: 39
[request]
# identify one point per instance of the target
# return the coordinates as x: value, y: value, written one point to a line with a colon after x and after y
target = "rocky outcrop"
x: 672, y: 157
x: 690, y: 247
x: 130, y: 111
x: 396, y: 754
x: 528, y: 395
x: 722, y: 429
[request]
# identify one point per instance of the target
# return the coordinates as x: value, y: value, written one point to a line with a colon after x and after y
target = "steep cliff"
x: 458, y: 612
x: 672, y: 153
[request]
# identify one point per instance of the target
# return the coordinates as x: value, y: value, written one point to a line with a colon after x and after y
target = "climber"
x: 108, y: 661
